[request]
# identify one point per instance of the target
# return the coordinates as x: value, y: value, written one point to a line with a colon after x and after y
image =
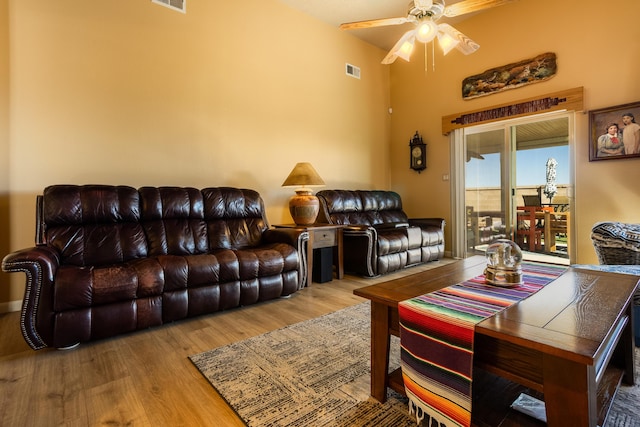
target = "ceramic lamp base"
x: 304, y: 207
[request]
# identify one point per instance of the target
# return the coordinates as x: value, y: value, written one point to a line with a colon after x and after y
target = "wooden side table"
x: 322, y: 236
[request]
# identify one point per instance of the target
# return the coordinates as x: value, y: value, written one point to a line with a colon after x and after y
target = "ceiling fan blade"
x: 469, y: 6
x: 466, y: 45
x: 375, y: 23
x: 393, y: 53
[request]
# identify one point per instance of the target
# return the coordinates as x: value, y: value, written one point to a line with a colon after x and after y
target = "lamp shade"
x: 304, y: 206
x: 303, y: 174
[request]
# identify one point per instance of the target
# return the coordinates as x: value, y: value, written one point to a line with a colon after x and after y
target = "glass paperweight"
x: 504, y: 259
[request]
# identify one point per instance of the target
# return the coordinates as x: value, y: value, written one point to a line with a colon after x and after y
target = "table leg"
x: 340, y: 264
x: 627, y: 346
x: 310, y: 259
x: 532, y: 237
x: 380, y: 343
x: 568, y: 217
x: 570, y: 393
x: 549, y: 236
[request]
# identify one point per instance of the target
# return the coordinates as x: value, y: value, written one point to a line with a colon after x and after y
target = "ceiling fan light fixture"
x: 405, y: 49
x: 424, y: 14
x: 447, y: 42
x: 402, y: 48
x: 426, y: 31
x: 464, y: 44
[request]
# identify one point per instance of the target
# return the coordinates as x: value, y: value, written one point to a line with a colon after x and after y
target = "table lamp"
x: 304, y: 206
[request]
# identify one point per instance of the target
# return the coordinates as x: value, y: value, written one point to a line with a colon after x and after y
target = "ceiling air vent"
x: 353, y: 71
x: 179, y: 5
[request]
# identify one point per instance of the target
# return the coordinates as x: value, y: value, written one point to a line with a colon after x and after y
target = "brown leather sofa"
x: 379, y: 237
x: 110, y: 260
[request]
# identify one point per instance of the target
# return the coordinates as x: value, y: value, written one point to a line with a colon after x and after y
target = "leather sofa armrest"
x: 391, y: 225
x: 291, y: 236
x: 356, y: 228
x: 360, y: 249
x: 433, y: 222
x: 296, y: 238
x: 40, y: 265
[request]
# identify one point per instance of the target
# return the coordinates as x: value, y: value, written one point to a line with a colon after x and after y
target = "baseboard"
x: 11, y: 306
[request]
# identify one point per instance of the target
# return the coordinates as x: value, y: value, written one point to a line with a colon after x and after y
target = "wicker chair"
x: 618, y: 243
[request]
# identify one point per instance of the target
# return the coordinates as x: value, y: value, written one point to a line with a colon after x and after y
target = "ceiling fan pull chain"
x: 426, y: 60
x: 433, y: 56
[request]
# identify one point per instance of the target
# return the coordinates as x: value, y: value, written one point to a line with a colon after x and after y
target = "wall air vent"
x: 179, y: 5
x: 353, y: 71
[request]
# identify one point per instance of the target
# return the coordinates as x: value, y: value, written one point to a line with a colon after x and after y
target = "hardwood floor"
x: 145, y: 378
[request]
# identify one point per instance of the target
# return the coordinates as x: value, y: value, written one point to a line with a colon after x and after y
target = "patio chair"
x: 532, y: 199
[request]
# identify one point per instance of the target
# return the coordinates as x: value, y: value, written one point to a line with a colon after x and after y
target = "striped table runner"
x: 436, y: 336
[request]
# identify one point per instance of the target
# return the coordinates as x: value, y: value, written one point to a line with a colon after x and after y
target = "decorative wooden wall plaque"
x: 511, y: 76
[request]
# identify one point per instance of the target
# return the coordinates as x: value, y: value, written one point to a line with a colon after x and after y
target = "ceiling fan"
x: 424, y: 14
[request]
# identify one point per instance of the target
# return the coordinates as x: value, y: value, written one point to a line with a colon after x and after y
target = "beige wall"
x: 604, y: 59
x: 4, y: 144
x: 129, y: 92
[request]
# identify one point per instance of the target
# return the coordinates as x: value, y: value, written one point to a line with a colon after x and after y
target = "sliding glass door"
x: 487, y: 183
x: 511, y: 168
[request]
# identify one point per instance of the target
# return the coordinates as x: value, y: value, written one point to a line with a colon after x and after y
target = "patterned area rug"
x: 316, y: 373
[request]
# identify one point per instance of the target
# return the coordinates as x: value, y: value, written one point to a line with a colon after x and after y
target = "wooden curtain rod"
x: 571, y: 100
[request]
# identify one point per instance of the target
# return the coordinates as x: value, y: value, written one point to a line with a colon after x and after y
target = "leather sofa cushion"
x: 392, y: 242
x: 391, y: 262
x: 383, y: 207
x: 431, y: 236
x: 364, y: 207
x: 81, y: 287
x: 234, y: 217
x: 173, y: 219
x: 187, y: 221
x: 414, y: 234
x: 93, y: 224
x: 266, y: 260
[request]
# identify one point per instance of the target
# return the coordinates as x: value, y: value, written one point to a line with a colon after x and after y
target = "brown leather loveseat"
x: 112, y: 259
x: 379, y: 237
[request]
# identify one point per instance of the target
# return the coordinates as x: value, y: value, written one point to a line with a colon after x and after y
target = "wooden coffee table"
x: 572, y: 340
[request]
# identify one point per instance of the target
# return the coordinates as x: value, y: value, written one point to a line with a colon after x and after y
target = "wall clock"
x: 418, y: 153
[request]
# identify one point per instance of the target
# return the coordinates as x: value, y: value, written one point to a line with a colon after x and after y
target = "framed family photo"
x: 614, y: 132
